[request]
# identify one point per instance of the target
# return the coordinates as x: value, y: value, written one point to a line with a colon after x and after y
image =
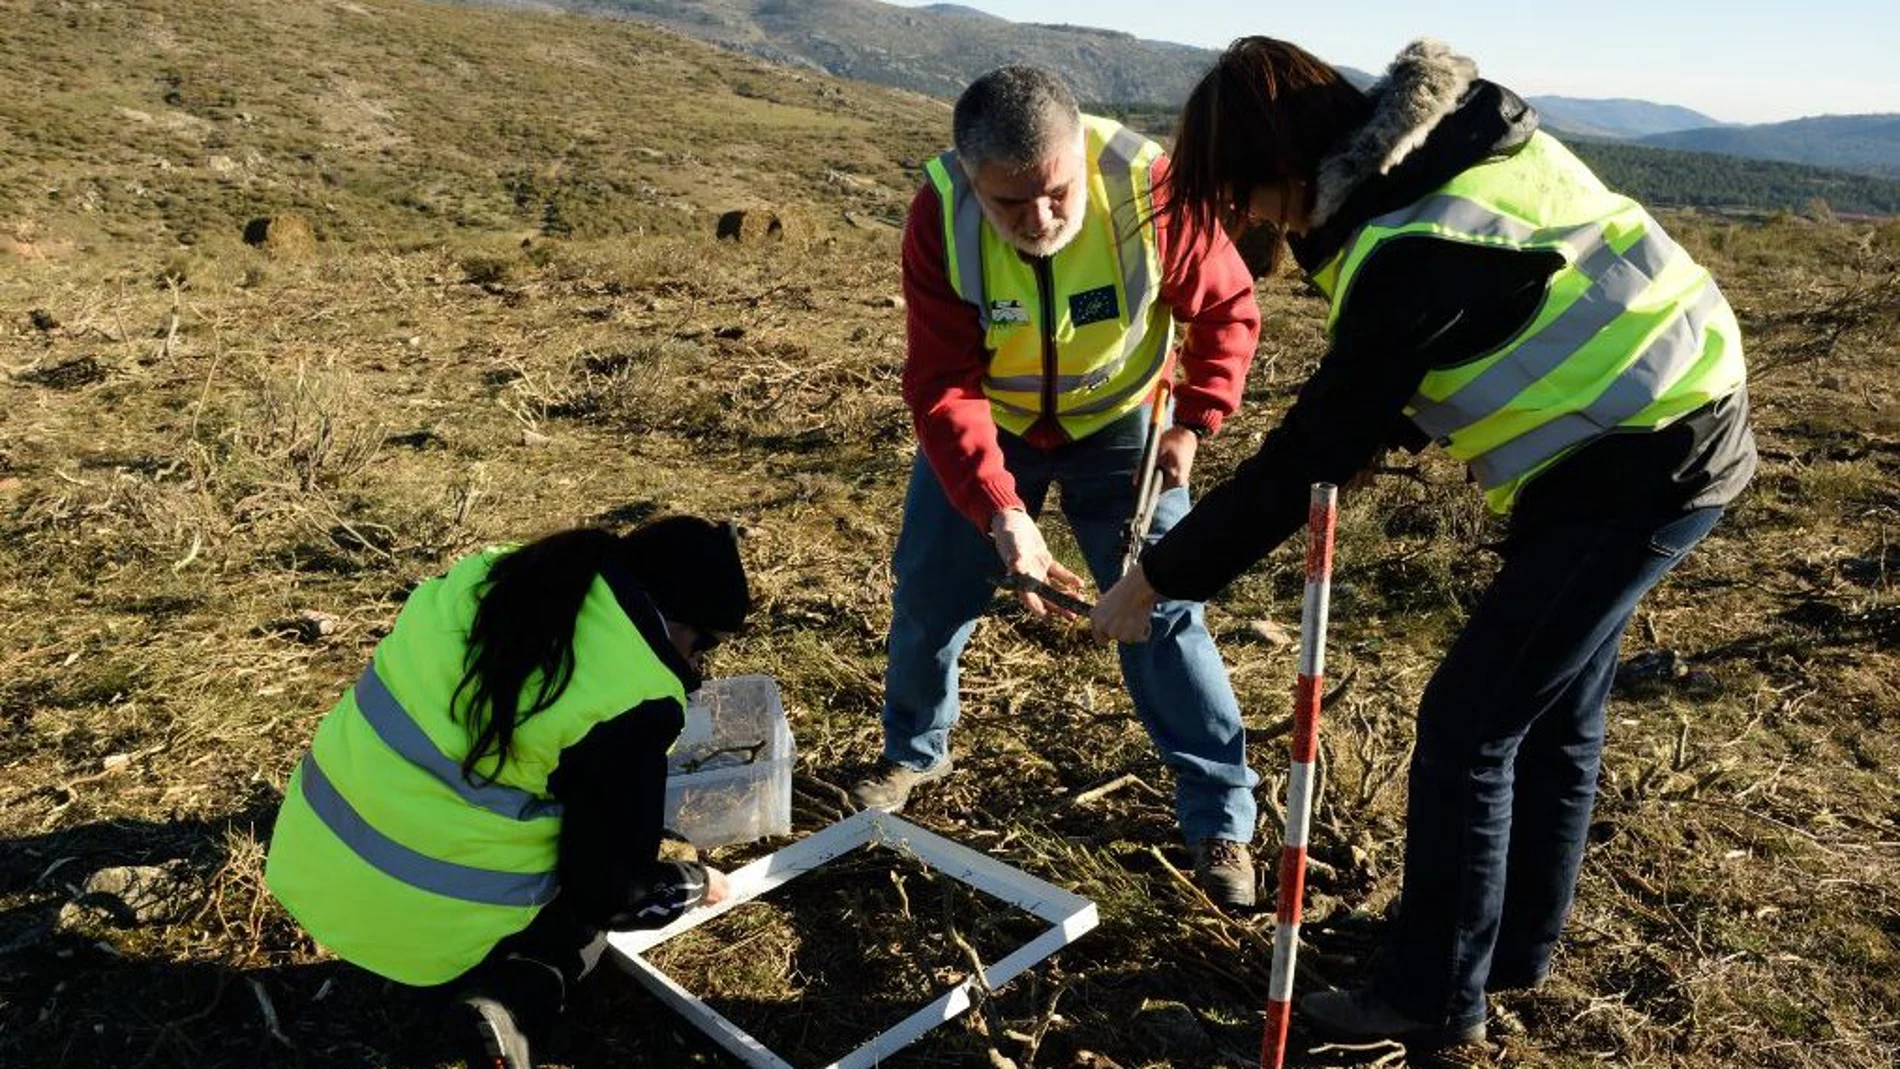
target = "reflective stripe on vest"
x: 1618, y: 279
x: 1136, y: 230
x: 1663, y: 361
x: 1098, y: 377
x: 966, y: 235
x: 400, y: 733
x: 1631, y: 334
x: 419, y: 870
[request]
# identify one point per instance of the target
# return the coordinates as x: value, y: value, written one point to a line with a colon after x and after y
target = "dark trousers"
x: 532, y: 971
x: 1504, y: 774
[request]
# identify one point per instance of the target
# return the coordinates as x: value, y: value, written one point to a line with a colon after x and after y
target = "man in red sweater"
x: 1041, y: 295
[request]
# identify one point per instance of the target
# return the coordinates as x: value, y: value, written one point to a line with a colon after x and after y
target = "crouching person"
x: 487, y: 801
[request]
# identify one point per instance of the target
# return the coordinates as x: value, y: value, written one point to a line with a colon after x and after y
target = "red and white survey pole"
x: 1321, y: 517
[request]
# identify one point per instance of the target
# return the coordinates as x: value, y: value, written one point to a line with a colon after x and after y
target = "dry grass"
x: 202, y: 442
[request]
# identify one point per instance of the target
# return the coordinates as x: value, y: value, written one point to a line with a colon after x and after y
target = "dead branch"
x: 113, y: 763
x: 171, y: 331
x: 270, y: 1013
x: 1282, y: 726
x: 1215, y: 914
x: 1389, y: 1052
x: 1126, y: 779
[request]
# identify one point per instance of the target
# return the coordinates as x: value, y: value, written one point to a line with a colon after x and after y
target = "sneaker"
x: 493, y: 1038
x: 1224, y: 870
x: 887, y: 789
x: 1359, y: 1016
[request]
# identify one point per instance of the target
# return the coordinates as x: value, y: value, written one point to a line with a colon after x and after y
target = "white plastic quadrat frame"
x: 1069, y: 917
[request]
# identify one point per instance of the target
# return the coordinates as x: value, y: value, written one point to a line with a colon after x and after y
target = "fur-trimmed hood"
x: 1425, y: 83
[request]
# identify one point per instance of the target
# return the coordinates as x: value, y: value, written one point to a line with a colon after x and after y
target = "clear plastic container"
x: 729, y: 778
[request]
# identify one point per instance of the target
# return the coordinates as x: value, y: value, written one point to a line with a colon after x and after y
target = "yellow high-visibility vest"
x: 1632, y: 334
x: 382, y: 850
x: 1082, y: 335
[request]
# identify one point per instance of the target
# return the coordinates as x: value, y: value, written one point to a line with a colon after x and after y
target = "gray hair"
x: 1018, y: 116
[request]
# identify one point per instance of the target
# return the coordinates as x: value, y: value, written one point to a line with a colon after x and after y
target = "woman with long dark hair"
x: 1489, y: 295
x: 486, y: 802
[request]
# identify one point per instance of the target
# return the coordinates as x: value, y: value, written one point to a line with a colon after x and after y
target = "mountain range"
x: 1865, y: 144
x: 937, y: 49
x: 934, y: 50
x: 1618, y: 118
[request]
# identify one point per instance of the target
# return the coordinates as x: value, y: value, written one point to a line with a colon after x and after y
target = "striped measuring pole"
x: 1321, y: 516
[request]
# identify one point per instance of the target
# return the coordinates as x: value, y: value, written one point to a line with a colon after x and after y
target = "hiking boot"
x: 887, y: 789
x: 1358, y: 1015
x: 494, y: 1040
x: 1224, y: 870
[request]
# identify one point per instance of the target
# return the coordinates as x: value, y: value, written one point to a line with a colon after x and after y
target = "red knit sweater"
x: 1211, y: 295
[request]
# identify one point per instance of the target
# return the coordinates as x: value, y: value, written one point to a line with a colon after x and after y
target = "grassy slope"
x: 320, y: 433
x: 380, y: 121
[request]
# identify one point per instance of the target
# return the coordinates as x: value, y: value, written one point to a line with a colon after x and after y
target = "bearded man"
x: 1041, y: 292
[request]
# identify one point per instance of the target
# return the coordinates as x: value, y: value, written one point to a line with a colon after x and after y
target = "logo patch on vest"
x: 1093, y: 306
x: 1008, y: 312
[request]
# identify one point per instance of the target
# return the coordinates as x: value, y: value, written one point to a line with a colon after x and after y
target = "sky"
x: 1742, y: 61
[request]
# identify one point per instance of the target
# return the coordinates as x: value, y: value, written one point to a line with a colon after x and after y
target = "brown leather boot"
x: 1224, y: 870
x: 888, y: 787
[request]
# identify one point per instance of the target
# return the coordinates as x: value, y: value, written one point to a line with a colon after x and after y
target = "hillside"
x: 1617, y: 117
x: 1867, y: 144
x: 937, y: 49
x: 223, y: 466
x: 1673, y: 178
x: 424, y: 121
x: 934, y: 50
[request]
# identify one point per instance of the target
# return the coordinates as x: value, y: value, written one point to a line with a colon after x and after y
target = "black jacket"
x: 1418, y: 303
x: 612, y: 788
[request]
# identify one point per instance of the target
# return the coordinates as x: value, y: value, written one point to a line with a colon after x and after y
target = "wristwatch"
x: 1200, y: 430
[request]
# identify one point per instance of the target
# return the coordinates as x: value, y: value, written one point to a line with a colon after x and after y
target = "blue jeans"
x: 1504, y: 774
x: 944, y: 567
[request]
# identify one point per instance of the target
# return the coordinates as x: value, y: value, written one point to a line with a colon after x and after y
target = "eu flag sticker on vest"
x: 1093, y: 306
x: 1008, y: 312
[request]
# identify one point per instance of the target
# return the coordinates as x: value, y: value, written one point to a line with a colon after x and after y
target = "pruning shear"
x: 1148, y: 475
x: 1026, y: 584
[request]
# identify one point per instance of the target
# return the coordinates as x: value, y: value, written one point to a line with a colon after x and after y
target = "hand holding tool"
x: 1061, y: 599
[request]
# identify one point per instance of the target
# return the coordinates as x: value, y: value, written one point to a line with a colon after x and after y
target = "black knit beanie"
x: 691, y: 569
